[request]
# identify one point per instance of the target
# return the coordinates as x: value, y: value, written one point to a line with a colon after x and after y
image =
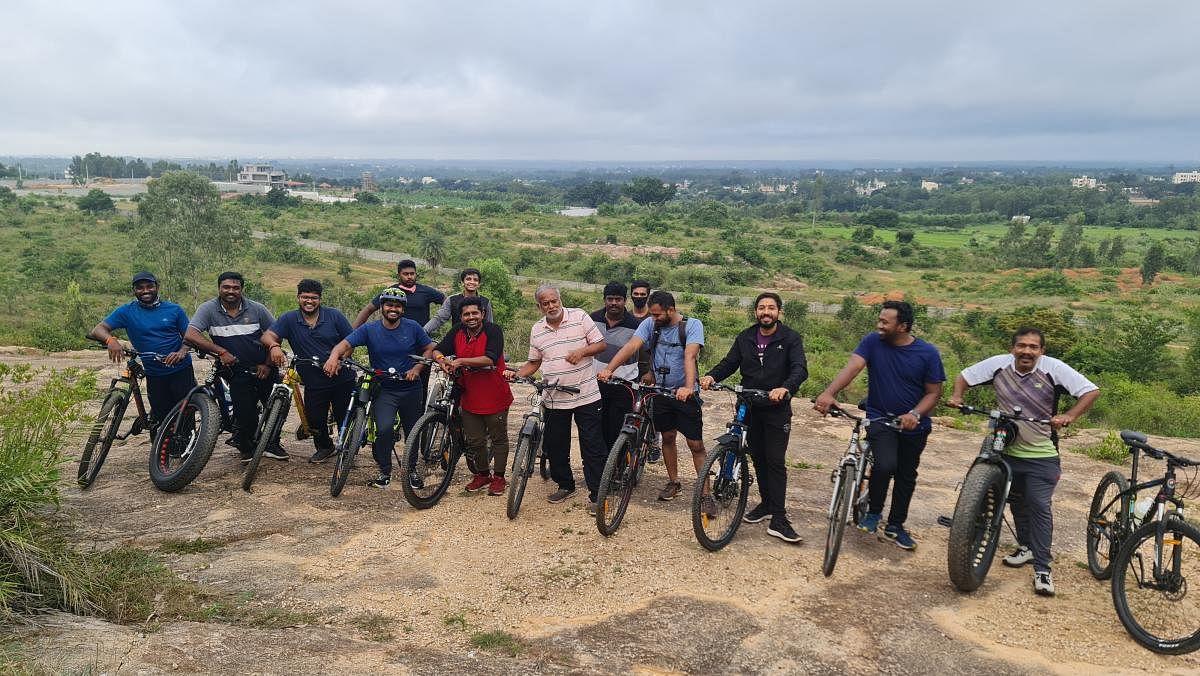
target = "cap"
x: 144, y: 277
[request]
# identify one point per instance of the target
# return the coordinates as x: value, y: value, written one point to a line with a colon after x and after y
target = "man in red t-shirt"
x: 486, y: 395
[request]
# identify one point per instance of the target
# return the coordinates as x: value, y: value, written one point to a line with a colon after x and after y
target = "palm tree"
x: 433, y: 249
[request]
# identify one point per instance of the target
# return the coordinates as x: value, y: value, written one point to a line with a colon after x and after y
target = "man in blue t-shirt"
x: 157, y: 326
x: 389, y: 341
x: 904, y: 380
x: 312, y: 331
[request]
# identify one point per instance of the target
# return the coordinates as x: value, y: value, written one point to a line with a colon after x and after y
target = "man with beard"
x: 419, y: 296
x: 1027, y: 378
x: 904, y: 380
x: 389, y: 340
x: 236, y: 325
x: 562, y: 344
x: 451, y: 310
x: 312, y: 331
x: 639, y: 293
x: 158, y: 326
x: 674, y: 344
x: 617, y: 326
x: 771, y: 357
x: 485, y: 394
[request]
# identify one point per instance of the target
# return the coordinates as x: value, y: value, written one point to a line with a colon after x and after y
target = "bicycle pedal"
x: 945, y: 521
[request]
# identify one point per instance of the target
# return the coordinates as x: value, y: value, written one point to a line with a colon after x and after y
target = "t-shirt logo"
x: 1037, y: 386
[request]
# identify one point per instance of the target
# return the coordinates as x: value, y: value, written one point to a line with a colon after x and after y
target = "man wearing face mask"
x: 158, y: 326
x: 617, y: 326
x: 639, y: 295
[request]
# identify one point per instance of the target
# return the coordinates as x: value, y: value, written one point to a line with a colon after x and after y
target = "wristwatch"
x: 915, y: 414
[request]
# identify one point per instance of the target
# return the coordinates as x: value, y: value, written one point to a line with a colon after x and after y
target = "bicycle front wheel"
x: 268, y: 429
x: 184, y: 442
x: 1154, y: 602
x: 522, y: 469
x: 352, y: 440
x: 104, y: 430
x: 1107, y: 520
x: 717, y: 515
x: 429, y: 459
x: 616, y: 484
x: 975, y: 530
x: 844, y: 483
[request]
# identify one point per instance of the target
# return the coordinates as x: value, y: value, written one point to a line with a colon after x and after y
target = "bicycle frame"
x: 129, y: 379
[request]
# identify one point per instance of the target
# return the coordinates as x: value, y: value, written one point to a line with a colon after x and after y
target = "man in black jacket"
x: 770, y: 357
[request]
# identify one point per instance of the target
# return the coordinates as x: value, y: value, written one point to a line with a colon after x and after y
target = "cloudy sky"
x: 609, y: 80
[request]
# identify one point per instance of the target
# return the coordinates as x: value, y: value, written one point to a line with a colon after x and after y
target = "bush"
x: 1110, y: 449
x: 1149, y: 408
x: 491, y: 209
x: 96, y: 201
x: 283, y: 248
x: 1052, y: 283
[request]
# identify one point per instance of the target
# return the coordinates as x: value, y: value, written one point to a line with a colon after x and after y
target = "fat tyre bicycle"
x: 185, y: 439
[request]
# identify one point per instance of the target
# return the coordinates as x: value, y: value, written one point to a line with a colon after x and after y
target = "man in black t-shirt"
x: 420, y: 296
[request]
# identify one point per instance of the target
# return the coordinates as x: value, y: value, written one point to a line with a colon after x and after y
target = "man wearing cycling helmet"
x: 1027, y: 378
x: 389, y: 340
x: 158, y: 326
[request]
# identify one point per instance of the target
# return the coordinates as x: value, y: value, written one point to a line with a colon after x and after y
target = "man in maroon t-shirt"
x: 486, y: 395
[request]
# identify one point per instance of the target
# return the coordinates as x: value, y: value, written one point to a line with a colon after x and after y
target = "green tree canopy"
x: 96, y: 201
x: 498, y: 287
x: 648, y: 190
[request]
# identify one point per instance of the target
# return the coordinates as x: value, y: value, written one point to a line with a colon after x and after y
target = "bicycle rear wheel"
x: 1107, y: 522
x: 429, y: 459
x: 522, y: 469
x: 616, y: 484
x: 268, y: 429
x: 975, y: 530
x: 184, y: 442
x: 104, y: 430
x: 716, y: 521
x: 1155, y: 606
x: 351, y: 440
x: 844, y: 484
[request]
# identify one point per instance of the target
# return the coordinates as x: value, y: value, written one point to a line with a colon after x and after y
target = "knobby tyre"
x: 729, y: 493
x: 1159, y: 612
x: 1107, y: 524
x: 184, y: 442
x: 429, y: 459
x: 352, y: 440
x: 522, y: 469
x: 616, y: 485
x: 104, y: 430
x: 839, y: 513
x: 975, y: 530
x: 268, y: 429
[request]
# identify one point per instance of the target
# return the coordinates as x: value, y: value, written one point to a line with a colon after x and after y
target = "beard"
x: 767, y: 322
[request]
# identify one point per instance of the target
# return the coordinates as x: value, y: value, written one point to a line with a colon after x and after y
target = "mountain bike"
x: 627, y: 458
x: 851, y: 482
x: 1111, y: 519
x: 352, y: 433
x: 529, y: 441
x: 106, y: 429
x: 184, y: 440
x: 717, y: 514
x: 1151, y: 570
x: 284, y: 391
x: 975, y: 527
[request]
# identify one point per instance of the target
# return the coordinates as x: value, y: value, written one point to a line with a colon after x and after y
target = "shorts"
x: 684, y: 416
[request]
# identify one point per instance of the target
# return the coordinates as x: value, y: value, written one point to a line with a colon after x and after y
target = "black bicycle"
x: 627, y: 458
x: 723, y: 483
x: 1154, y: 560
x: 185, y: 439
x: 356, y: 425
x: 975, y: 527
x: 529, y: 441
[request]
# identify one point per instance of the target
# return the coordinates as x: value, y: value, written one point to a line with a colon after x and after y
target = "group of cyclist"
x: 592, y: 354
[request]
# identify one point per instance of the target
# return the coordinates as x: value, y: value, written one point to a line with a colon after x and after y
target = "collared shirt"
x: 156, y: 329
x: 238, y: 334
x: 552, y: 345
x: 314, y: 341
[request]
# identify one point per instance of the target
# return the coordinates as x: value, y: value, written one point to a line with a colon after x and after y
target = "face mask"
x: 640, y: 303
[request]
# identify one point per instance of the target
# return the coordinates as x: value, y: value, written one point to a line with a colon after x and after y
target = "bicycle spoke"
x: 1160, y: 601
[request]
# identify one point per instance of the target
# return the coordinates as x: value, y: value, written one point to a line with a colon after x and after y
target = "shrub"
x: 1110, y: 449
x: 283, y: 248
x: 1052, y: 283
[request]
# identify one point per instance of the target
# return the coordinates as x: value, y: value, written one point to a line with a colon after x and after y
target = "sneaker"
x: 708, y: 506
x: 383, y: 481
x: 416, y: 481
x: 1043, y: 584
x: 246, y: 457
x: 899, y: 536
x: 869, y: 523
x: 757, y: 514
x: 479, y: 482
x: 669, y: 491
x: 497, y: 486
x: 560, y: 495
x: 591, y: 509
x: 655, y: 453
x: 322, y: 455
x: 782, y: 528
x: 1021, y: 556
x: 276, y: 452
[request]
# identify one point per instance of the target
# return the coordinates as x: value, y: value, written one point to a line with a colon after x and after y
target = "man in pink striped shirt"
x: 562, y: 343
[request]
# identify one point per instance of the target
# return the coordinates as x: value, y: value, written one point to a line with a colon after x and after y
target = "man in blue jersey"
x: 904, y: 380
x: 389, y: 340
x: 153, y: 325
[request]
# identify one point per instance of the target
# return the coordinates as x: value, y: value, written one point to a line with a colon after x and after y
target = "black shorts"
x: 684, y: 416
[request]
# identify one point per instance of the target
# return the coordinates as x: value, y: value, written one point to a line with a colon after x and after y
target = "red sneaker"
x: 498, y: 486
x: 478, y: 483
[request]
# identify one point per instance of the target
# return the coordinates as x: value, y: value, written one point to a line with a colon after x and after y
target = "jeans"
x: 557, y: 444
x: 615, y: 402
x: 248, y: 391
x: 1030, y: 499
x: 390, y: 402
x: 317, y: 404
x: 166, y: 391
x: 896, y: 455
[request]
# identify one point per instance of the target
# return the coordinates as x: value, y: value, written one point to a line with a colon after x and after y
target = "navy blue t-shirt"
x: 156, y: 329
x: 389, y: 348
x: 314, y: 341
x: 417, y: 306
x: 896, y: 376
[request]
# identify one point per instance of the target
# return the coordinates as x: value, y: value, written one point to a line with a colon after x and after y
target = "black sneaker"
x: 416, y: 481
x: 276, y: 452
x: 781, y: 528
x: 383, y: 481
x: 757, y: 514
x: 246, y: 457
x: 322, y: 455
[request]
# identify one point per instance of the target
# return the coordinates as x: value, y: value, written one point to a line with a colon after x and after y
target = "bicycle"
x: 851, y: 483
x: 185, y: 439
x: 529, y: 441
x: 352, y: 433
x: 975, y: 526
x: 727, y: 471
x: 627, y: 458
x: 106, y: 429
x: 284, y: 391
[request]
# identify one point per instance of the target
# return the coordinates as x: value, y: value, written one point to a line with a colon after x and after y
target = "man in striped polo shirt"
x: 1027, y: 378
x: 562, y: 344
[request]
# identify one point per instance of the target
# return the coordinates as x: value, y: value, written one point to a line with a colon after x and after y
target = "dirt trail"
x: 647, y: 600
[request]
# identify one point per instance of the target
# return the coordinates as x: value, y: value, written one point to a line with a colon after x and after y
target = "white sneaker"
x: 1043, y: 584
x: 1020, y: 556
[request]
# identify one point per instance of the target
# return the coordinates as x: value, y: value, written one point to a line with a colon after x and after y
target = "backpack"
x: 683, y: 337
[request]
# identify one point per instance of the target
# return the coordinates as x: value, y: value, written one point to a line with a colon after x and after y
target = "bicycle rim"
x: 272, y: 421
x: 715, y: 521
x: 839, y: 513
x: 1107, y: 521
x: 104, y: 430
x: 522, y: 469
x: 347, y: 450
x: 430, y: 457
x: 1157, y: 607
x: 975, y: 530
x: 616, y: 485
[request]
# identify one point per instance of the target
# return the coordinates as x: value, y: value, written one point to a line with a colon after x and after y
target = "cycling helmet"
x: 394, y: 294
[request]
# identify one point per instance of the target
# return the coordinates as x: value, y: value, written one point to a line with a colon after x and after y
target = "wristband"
x: 111, y: 339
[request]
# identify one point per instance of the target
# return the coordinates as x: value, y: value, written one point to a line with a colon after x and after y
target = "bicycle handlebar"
x: 746, y: 391
x: 542, y: 385
x: 999, y: 414
x: 156, y: 356
x: 836, y: 411
x: 1137, y: 440
x: 635, y: 386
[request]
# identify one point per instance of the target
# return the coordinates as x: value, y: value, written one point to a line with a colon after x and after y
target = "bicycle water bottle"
x: 1140, y: 508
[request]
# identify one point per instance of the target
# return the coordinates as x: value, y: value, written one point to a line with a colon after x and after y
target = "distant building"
x: 1020, y: 218
x: 428, y: 180
x: 966, y: 180
x: 865, y: 189
x: 1186, y: 177
x: 368, y: 182
x: 262, y: 174
x: 929, y: 186
x: 1139, y: 201
x: 1084, y: 182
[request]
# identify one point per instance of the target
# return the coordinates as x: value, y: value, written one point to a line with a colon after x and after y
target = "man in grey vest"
x: 617, y: 325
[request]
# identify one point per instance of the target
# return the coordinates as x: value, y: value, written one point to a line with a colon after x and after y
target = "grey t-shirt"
x: 240, y: 335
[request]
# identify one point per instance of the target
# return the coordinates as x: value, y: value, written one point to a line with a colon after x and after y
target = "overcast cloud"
x: 604, y: 80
